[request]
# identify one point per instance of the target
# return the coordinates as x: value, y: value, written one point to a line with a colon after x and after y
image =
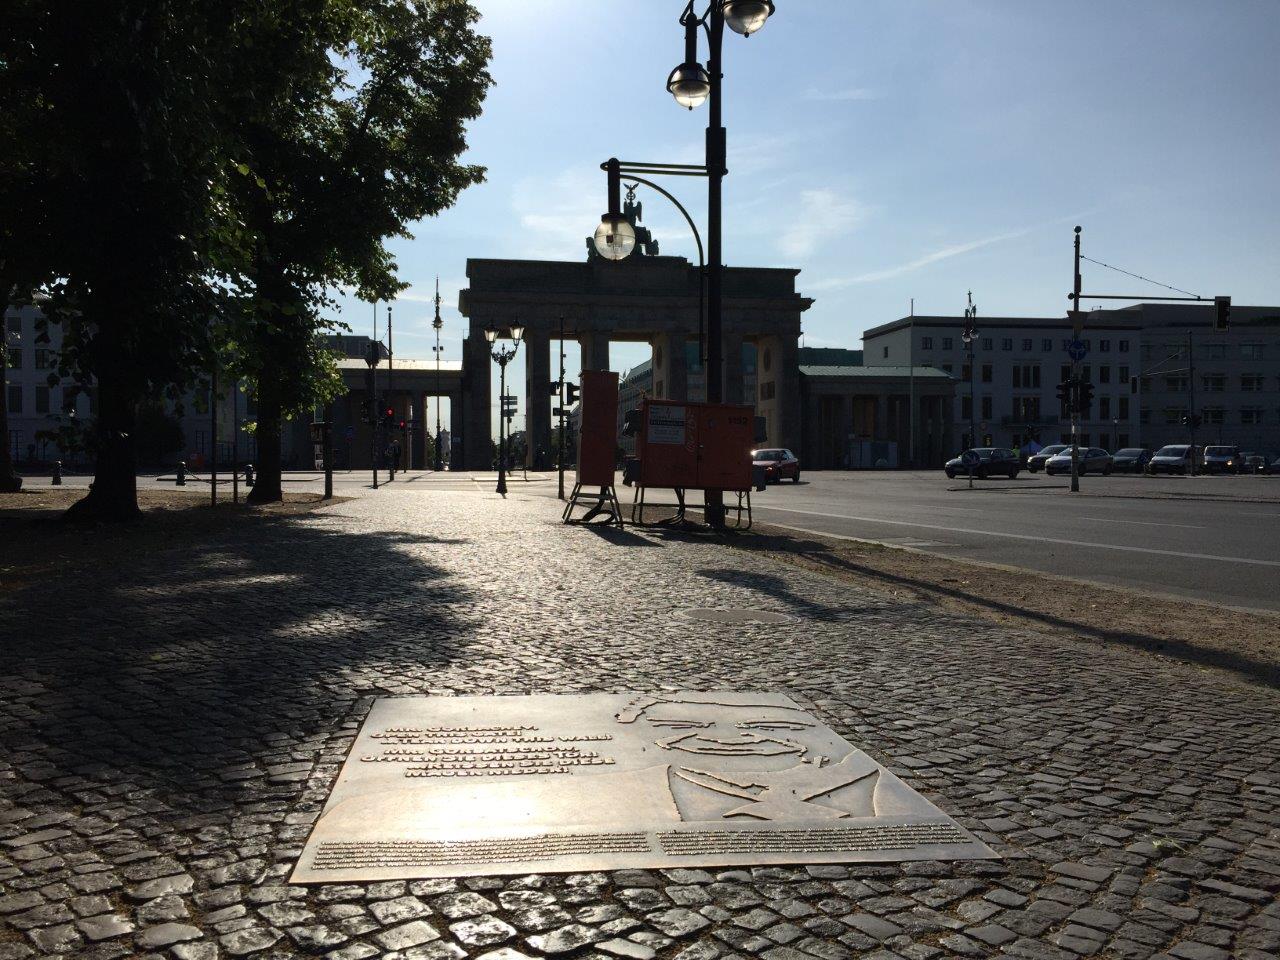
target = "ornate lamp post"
x: 503, y: 356
x: 692, y: 84
x: 437, y: 323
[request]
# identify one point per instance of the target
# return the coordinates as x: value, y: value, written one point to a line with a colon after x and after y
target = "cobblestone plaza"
x: 170, y: 731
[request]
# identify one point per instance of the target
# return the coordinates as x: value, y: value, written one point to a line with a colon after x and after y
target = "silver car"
x: 1092, y: 460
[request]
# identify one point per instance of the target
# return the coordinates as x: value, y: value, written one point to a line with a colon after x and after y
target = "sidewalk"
x: 169, y: 733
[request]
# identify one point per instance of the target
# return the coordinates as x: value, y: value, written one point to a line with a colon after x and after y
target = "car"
x: 1037, y: 460
x: 1221, y: 459
x: 1090, y: 460
x: 1172, y: 458
x: 1253, y: 462
x: 991, y: 460
x: 1275, y: 466
x: 1130, y: 460
x: 778, y: 463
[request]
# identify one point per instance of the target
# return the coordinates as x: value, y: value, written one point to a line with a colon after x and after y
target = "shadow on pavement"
x: 189, y: 668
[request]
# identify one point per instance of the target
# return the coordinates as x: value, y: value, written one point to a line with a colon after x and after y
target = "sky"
x: 889, y: 150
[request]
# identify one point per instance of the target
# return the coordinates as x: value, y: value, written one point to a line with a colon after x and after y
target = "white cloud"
x: 954, y: 250
x: 821, y: 215
x: 850, y: 93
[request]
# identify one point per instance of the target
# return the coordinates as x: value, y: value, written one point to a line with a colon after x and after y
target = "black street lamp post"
x: 437, y: 323
x: 691, y: 84
x: 503, y: 356
x: 970, y: 336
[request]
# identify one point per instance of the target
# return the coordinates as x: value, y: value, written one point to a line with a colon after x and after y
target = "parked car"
x: 1037, y: 460
x: 1130, y: 460
x: 1174, y: 458
x: 991, y: 460
x: 1253, y: 462
x: 1275, y: 466
x: 778, y: 464
x: 1091, y: 460
x: 1222, y: 460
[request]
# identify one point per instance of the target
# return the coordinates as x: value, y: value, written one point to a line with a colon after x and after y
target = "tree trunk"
x: 10, y: 482
x: 266, y: 487
x: 113, y: 495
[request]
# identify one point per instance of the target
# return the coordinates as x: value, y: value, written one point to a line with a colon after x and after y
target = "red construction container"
x: 695, y: 446
x: 598, y: 429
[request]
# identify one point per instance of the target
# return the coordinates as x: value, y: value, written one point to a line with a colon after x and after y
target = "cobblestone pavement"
x: 168, y: 735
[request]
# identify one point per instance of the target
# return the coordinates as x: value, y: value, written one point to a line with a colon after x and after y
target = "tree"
x: 356, y: 138
x: 122, y: 107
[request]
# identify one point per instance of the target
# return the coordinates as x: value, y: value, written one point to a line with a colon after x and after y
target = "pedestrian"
x: 395, y: 455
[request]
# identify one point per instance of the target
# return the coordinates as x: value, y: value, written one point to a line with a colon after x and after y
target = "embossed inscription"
x: 512, y: 751
x: 899, y: 836
x: 427, y: 853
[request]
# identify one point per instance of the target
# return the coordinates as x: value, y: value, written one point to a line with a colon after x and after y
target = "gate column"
x: 595, y: 350
x: 476, y: 403
x: 537, y: 399
x: 670, y: 367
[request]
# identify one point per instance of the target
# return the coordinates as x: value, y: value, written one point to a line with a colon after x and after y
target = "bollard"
x: 248, y: 474
x: 57, y: 473
x: 182, y: 473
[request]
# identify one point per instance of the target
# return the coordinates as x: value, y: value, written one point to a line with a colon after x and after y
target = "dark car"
x: 1037, y: 460
x: 1253, y: 462
x: 1174, y: 458
x: 1275, y: 466
x: 1090, y: 460
x: 991, y: 461
x: 1130, y: 460
x: 1220, y: 459
x: 777, y: 463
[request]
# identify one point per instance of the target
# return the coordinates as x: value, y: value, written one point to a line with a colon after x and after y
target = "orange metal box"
x: 695, y: 445
x: 598, y: 431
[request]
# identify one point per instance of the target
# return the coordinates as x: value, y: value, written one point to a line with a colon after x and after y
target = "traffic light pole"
x: 560, y: 439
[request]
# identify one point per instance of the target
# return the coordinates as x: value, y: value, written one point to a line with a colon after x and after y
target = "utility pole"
x: 560, y: 438
x: 1191, y: 401
x: 1077, y: 327
x: 391, y: 394
x: 375, y: 414
x: 437, y: 323
x: 970, y: 337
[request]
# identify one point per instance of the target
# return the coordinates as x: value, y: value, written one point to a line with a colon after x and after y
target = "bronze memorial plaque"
x: 468, y: 786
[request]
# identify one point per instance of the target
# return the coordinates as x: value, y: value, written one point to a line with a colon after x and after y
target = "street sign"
x: 970, y: 459
x: 1076, y: 349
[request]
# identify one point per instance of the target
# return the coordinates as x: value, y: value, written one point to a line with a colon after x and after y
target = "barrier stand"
x: 606, y: 511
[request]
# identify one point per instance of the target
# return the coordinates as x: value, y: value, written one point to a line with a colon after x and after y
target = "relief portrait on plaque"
x: 734, y: 760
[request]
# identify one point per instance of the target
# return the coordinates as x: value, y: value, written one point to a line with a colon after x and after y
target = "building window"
x: 1214, y: 415
x: 42, y: 399
x: 15, y: 398
x: 1066, y: 373
x: 1086, y: 374
x: 986, y: 408
x: 1123, y: 375
x: 966, y: 408
x: 1214, y: 383
x: 44, y: 359
x: 1250, y: 351
x: 1176, y: 384
x: 988, y: 343
x: 1122, y: 408
x: 885, y: 355
x: 1251, y: 382
x: 1124, y: 346
x: 1122, y: 441
x: 1174, y: 415
x: 1144, y: 415
x: 1104, y: 407
x: 1250, y: 416
x: 1215, y: 351
x: 926, y: 343
x: 1026, y: 345
x: 948, y: 343
x: 1104, y: 346
x: 1104, y: 374
x: 966, y: 373
x: 1006, y: 343
x: 1026, y: 409
x: 986, y: 373
x: 1046, y: 345
x: 1026, y: 376
x: 15, y: 358
x: 1066, y: 344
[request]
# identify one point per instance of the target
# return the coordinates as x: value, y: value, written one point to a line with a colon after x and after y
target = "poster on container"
x: 666, y: 424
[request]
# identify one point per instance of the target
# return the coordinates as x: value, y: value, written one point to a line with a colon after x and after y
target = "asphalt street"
x: 1215, y: 539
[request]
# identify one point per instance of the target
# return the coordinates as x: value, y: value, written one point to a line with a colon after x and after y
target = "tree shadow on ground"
x: 821, y: 557
x: 780, y: 589
x: 194, y: 666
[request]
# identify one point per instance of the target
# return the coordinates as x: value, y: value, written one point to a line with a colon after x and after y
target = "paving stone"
x: 104, y: 927
x: 251, y: 940
x: 677, y: 922
x: 627, y: 949
x: 166, y: 934
x: 564, y: 939
x: 407, y: 935
x: 482, y: 931
x: 459, y: 906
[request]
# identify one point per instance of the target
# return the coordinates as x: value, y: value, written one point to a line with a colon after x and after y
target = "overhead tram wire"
x: 1137, y: 276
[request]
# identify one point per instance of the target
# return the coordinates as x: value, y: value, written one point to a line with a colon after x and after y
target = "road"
x: 1215, y: 539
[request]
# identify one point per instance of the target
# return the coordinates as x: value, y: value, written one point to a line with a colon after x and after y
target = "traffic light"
x: 402, y: 424
x: 1064, y: 394
x: 388, y: 418
x: 1084, y: 397
x: 631, y: 423
x: 570, y: 394
x: 1221, y: 314
x: 555, y: 388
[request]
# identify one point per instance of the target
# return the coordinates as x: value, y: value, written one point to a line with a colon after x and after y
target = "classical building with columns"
x: 650, y: 299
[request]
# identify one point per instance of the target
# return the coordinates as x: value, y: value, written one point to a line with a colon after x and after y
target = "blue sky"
x: 889, y: 149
